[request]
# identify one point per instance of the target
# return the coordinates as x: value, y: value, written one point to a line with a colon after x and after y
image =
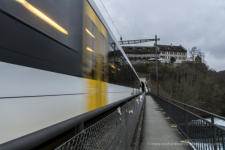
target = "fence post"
x: 214, y: 132
x: 126, y: 144
x: 186, y: 123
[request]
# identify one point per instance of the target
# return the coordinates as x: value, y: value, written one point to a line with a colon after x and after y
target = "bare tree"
x: 172, y: 60
x: 194, y: 52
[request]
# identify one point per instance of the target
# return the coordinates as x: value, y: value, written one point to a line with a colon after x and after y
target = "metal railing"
x: 115, y: 131
x: 203, y: 133
x: 115, y: 126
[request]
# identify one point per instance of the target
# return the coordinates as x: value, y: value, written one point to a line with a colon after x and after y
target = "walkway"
x: 159, y: 133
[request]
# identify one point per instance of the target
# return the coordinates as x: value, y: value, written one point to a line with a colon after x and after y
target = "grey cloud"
x: 190, y: 23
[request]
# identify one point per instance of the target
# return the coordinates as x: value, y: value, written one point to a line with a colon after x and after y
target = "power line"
x: 113, y: 23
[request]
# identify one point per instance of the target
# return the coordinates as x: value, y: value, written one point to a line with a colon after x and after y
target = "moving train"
x: 58, y: 59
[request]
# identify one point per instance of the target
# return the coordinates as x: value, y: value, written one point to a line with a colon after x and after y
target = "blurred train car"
x: 58, y: 59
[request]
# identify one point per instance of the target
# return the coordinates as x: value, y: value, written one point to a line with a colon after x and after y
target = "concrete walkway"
x: 159, y: 133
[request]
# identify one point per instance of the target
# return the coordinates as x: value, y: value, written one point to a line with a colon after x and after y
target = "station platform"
x: 159, y: 133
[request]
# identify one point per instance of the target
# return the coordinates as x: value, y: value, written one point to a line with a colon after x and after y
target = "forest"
x: 190, y: 82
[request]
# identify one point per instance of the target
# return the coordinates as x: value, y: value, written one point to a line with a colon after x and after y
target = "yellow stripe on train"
x: 96, y: 96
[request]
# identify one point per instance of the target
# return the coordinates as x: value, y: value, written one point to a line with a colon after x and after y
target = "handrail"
x: 193, y: 107
x: 202, y: 133
x: 196, y: 115
x: 199, y: 109
x: 35, y: 139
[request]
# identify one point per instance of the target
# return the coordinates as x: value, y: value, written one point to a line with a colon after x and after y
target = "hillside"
x: 192, y: 83
x: 222, y: 74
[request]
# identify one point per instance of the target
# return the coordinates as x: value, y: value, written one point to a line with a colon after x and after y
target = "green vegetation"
x: 191, y: 83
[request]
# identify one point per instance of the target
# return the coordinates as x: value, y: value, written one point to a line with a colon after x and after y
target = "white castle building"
x: 141, y: 54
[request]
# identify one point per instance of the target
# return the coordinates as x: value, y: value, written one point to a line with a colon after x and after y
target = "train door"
x: 94, y: 59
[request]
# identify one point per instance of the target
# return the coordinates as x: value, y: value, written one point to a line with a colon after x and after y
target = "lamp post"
x: 156, y: 65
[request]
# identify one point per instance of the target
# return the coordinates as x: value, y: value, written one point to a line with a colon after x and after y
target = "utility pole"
x: 156, y: 65
x: 127, y: 42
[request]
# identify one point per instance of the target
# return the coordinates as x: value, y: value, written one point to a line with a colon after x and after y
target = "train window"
x: 110, y: 64
x: 104, y: 58
x: 120, y: 72
x: 95, y: 47
x: 56, y: 20
x: 89, y: 52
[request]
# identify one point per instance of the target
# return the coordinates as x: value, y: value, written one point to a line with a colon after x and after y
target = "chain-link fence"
x: 116, y: 131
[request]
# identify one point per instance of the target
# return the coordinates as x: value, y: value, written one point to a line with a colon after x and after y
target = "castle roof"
x: 151, y: 49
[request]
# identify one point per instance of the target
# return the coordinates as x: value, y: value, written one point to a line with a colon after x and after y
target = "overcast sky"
x: 189, y: 23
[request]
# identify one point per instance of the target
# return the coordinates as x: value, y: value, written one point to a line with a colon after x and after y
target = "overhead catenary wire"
x: 113, y: 23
